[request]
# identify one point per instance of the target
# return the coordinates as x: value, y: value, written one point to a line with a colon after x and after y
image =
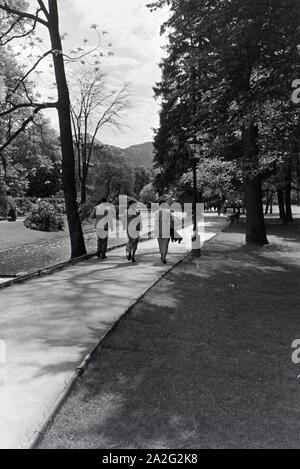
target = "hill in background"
x: 114, y: 170
x: 139, y: 155
x: 134, y: 156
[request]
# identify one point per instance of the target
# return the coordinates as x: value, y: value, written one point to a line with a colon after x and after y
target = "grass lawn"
x: 24, y: 251
x: 203, y: 361
x: 16, y: 234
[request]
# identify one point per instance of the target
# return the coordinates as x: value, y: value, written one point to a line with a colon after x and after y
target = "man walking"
x: 102, y: 213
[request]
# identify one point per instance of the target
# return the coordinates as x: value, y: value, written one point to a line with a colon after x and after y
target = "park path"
x: 24, y: 251
x: 49, y: 324
x: 204, y: 360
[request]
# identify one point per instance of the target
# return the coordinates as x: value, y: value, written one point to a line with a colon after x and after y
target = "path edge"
x: 85, y: 362
x: 61, y: 266
x: 48, y: 420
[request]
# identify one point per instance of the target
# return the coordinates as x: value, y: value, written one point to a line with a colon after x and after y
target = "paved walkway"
x: 204, y: 360
x: 49, y: 324
x: 44, y: 249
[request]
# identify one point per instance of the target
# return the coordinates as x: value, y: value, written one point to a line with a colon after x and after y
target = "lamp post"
x: 194, y: 153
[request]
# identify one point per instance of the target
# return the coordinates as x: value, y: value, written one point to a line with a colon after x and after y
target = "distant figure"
x: 163, y: 229
x: 104, y: 223
x: 11, y: 215
x: 11, y: 208
x: 132, y: 222
x: 175, y: 236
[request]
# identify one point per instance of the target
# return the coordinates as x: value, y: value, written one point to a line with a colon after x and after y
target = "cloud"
x: 136, y: 42
x: 134, y: 33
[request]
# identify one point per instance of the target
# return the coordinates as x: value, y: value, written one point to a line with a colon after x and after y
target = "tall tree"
x: 33, y: 161
x: 216, y: 180
x: 227, y: 62
x: 142, y: 177
x: 95, y: 106
x: 22, y: 23
x: 111, y: 176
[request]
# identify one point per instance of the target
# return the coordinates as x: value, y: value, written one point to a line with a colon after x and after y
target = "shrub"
x: 3, y: 205
x: 45, y: 217
x: 12, y: 214
x: 57, y: 203
x: 148, y: 194
x: 23, y: 205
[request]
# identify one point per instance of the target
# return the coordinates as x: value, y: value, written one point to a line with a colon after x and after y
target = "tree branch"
x: 16, y: 37
x: 43, y: 8
x: 29, y: 72
x: 16, y: 107
x: 23, y: 14
x: 27, y: 92
x: 75, y: 122
x: 15, y: 23
x: 25, y: 124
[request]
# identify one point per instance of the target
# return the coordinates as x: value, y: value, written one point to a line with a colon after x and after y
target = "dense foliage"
x: 110, y: 175
x: 31, y: 165
x: 227, y: 78
x: 45, y: 217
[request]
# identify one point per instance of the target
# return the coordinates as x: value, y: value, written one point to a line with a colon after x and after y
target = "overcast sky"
x: 136, y: 43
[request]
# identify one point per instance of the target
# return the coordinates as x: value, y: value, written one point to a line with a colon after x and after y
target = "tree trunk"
x: 83, y: 183
x: 267, y: 205
x: 83, y: 191
x: 298, y: 180
x: 271, y: 204
x: 255, y: 222
x: 68, y: 157
x: 282, y: 213
x: 288, y: 204
x: 107, y: 190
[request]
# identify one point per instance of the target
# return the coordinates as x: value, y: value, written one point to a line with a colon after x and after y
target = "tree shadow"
x: 203, y: 361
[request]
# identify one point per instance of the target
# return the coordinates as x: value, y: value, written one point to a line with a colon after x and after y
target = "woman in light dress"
x: 163, y: 229
x: 132, y: 222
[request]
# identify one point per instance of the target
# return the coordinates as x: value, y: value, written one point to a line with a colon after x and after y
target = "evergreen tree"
x: 229, y: 65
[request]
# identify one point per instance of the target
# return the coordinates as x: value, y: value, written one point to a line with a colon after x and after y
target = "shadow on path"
x: 203, y: 361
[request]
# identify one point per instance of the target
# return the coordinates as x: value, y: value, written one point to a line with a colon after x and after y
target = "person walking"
x: 132, y: 222
x: 104, y: 222
x: 162, y: 223
x: 175, y: 236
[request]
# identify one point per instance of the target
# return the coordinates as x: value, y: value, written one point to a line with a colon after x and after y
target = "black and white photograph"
x: 149, y: 228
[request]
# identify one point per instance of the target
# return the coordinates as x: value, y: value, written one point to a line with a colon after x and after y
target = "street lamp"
x: 194, y: 154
